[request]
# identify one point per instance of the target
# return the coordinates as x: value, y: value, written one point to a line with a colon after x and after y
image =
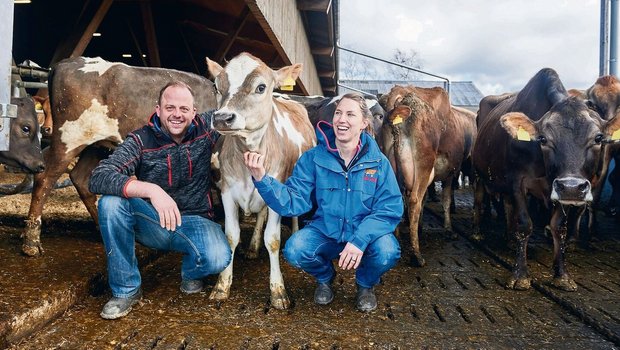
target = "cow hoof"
x: 218, y: 294
x: 564, y: 283
x: 280, y: 302
x: 32, y: 250
x: 523, y: 283
x: 417, y: 261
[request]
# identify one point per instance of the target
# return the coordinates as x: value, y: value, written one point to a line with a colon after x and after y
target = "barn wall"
x: 283, y: 24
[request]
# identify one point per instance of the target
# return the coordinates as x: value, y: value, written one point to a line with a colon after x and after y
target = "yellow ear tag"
x: 399, y: 120
x: 38, y: 106
x: 523, y: 135
x: 616, y: 135
x: 288, y: 84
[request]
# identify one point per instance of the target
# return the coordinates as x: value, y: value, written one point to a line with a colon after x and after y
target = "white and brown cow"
x: 426, y: 141
x: 96, y: 103
x: 251, y: 119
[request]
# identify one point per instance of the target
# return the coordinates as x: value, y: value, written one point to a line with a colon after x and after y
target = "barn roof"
x: 180, y: 34
x: 462, y: 93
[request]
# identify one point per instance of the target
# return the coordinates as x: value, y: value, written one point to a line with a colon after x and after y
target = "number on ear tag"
x: 523, y: 135
x: 397, y: 120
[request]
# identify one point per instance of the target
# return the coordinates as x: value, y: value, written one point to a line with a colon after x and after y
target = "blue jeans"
x: 314, y: 252
x: 124, y: 221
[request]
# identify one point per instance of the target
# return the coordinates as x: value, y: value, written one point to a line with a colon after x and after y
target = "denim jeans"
x: 314, y: 252
x: 124, y: 221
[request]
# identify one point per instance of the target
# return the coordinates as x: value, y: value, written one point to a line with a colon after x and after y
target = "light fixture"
x: 21, y: 1
x: 143, y: 55
x: 96, y: 34
x: 127, y: 55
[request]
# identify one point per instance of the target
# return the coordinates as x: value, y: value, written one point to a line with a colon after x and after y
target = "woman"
x: 358, y: 204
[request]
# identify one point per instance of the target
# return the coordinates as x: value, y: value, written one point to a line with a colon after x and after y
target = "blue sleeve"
x: 386, y: 213
x: 292, y: 198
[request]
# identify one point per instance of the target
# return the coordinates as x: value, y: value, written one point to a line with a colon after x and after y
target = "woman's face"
x: 348, y: 121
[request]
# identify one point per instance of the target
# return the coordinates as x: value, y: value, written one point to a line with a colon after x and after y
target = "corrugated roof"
x: 462, y: 93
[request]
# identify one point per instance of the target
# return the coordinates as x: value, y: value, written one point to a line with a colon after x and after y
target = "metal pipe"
x: 354, y: 89
x: 30, y: 72
x: 446, y: 84
x: 30, y: 84
x: 603, y: 67
x: 7, y: 110
x: 613, y: 38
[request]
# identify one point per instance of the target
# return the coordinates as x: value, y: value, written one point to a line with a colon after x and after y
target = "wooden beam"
x: 323, y: 51
x: 233, y: 34
x: 91, y: 28
x: 314, y: 5
x: 327, y: 74
x: 151, y: 37
x: 241, y: 39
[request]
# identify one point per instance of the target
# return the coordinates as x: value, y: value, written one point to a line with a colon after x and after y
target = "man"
x: 156, y: 190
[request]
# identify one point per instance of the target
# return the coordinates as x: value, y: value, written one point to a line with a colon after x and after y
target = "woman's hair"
x: 357, y: 97
x: 176, y: 83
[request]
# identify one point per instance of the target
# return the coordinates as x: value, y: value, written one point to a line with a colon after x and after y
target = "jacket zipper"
x: 189, y: 160
x: 169, y: 170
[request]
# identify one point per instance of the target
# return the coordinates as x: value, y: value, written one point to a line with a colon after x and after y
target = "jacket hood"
x: 327, y: 137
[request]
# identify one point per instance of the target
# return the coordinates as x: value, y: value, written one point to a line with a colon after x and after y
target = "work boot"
x: 366, y: 299
x: 119, y: 307
x: 191, y: 286
x: 323, y: 294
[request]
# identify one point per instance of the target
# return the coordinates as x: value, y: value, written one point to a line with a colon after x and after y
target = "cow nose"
x: 226, y: 117
x: 572, y: 189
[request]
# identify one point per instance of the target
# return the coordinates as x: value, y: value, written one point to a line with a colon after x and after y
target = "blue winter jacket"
x: 357, y: 204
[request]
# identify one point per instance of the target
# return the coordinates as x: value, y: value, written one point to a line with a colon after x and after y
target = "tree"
x: 405, y: 57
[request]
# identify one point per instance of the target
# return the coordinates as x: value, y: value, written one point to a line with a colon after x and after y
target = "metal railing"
x: 446, y: 83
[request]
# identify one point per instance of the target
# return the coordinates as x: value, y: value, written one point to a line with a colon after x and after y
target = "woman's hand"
x: 350, y: 257
x: 256, y: 164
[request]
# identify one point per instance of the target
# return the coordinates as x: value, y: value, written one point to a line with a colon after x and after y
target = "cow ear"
x: 612, y: 129
x: 399, y: 114
x: 286, y: 76
x: 519, y: 126
x: 214, y: 68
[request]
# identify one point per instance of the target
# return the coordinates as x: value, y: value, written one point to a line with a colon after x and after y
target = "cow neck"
x: 252, y: 139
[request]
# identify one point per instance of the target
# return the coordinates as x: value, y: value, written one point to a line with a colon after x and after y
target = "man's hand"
x: 350, y: 257
x: 256, y: 164
x: 169, y: 215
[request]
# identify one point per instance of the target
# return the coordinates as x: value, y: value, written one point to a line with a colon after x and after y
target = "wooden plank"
x: 151, y: 37
x: 323, y: 51
x: 282, y: 23
x: 87, y: 35
x: 233, y: 34
x: 327, y: 74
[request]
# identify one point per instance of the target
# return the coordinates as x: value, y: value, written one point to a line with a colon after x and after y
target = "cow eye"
x: 260, y: 88
x: 598, y: 139
x: 542, y: 140
x: 26, y: 129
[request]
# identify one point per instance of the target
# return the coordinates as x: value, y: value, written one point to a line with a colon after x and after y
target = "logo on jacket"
x: 369, y: 175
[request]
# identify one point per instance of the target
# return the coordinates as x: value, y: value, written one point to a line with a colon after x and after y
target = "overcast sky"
x: 498, y: 45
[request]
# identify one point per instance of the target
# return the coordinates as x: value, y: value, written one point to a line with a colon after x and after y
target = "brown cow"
x: 96, y: 103
x: 250, y: 118
x: 558, y: 168
x: 425, y: 141
x: 24, y: 146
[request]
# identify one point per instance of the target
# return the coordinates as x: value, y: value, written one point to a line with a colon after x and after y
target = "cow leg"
x: 416, y: 201
x: 279, y: 297
x: 479, y: 195
x: 43, y: 184
x: 294, y: 224
x: 447, y: 196
x: 80, y: 175
x: 520, y: 279
x: 559, y: 224
x: 221, y: 290
x: 254, y: 247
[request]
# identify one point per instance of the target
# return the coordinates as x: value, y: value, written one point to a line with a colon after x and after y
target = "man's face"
x: 176, y: 111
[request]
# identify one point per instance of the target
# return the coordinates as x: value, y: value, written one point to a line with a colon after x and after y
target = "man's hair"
x: 359, y: 98
x: 176, y: 83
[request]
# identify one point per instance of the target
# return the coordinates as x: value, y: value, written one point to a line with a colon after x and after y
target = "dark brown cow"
x: 251, y: 119
x: 425, y: 141
x: 546, y: 144
x: 24, y: 146
x: 95, y: 103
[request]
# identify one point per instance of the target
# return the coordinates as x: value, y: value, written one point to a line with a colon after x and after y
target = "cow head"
x: 24, y: 145
x: 570, y: 136
x: 604, y: 95
x: 245, y: 92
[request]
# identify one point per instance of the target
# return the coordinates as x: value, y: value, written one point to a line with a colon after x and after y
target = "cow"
x: 24, y: 146
x: 251, y: 119
x: 96, y: 103
x: 425, y: 141
x: 546, y: 144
